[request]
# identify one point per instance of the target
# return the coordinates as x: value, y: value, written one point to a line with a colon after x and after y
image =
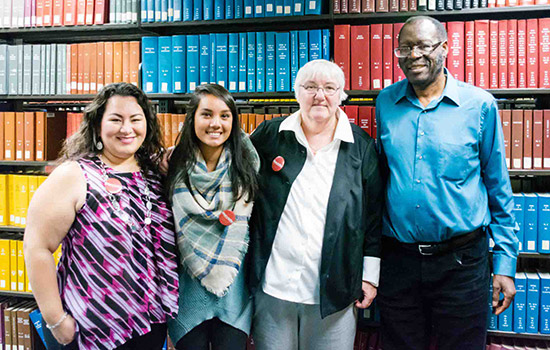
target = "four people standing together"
x: 283, y: 234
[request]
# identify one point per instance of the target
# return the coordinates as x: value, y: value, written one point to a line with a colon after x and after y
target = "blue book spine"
x: 158, y: 10
x: 530, y: 218
x: 259, y: 10
x: 260, y: 61
x: 544, y: 319
x: 170, y: 10
x: 298, y: 9
x: 287, y: 7
x: 519, y: 202
x: 326, y: 44
x: 187, y: 10
x: 293, y: 56
x: 204, y: 58
x: 520, y: 301
x: 197, y: 10
x: 242, y: 62
x: 238, y: 7
x: 192, y: 62
x: 178, y: 10
x: 313, y: 7
x: 492, y: 320
x: 178, y: 63
x: 279, y: 8
x: 248, y: 8
x: 163, y: 10
x: 219, y: 9
x: 165, y: 64
x: 506, y: 318
x: 270, y: 61
x: 149, y: 64
x: 533, y: 298
x: 282, y: 41
x: 303, y: 48
x: 251, y: 62
x: 207, y: 10
x: 315, y: 38
x: 233, y: 62
x: 144, y: 11
x: 229, y: 9
x: 543, y: 234
x: 213, y: 72
x: 221, y: 59
x: 151, y: 10
x: 269, y: 8
x: 36, y: 319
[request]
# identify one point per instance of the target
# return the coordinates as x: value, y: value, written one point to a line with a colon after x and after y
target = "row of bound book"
x: 532, y: 213
x: 67, y: 68
x: 369, y: 6
x: 15, y: 324
x: 497, y: 343
x: 363, y: 116
x: 241, y: 62
x: 205, y: 10
x: 48, y: 13
x: 16, y: 192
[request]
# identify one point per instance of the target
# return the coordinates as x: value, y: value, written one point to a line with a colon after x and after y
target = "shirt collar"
x: 343, y: 130
x: 450, y: 91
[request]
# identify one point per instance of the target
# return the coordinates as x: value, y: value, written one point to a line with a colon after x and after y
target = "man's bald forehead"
x: 441, y: 33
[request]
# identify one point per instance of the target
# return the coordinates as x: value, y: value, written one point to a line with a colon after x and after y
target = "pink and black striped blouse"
x: 116, y: 281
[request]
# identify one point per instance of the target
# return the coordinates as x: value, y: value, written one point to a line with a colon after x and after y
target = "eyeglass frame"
x: 313, y: 93
x: 415, y: 47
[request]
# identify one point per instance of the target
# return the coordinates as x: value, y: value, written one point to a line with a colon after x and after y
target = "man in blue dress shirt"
x: 448, y: 189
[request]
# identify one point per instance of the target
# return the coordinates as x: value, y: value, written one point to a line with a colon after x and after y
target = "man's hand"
x: 505, y: 285
x: 369, y: 293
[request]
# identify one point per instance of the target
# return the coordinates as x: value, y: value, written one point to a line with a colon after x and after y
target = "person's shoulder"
x: 390, y: 91
x: 360, y: 135
x: 268, y: 127
x: 471, y: 92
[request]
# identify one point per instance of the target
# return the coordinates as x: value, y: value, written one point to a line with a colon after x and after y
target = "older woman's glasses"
x: 327, y: 90
x: 423, y: 50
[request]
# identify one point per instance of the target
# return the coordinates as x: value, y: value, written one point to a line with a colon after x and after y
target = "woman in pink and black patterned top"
x: 117, y: 283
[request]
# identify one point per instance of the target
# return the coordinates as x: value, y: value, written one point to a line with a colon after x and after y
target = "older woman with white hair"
x: 315, y: 227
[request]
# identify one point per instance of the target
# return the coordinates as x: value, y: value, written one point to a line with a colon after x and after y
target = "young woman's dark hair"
x: 83, y: 142
x: 242, y: 172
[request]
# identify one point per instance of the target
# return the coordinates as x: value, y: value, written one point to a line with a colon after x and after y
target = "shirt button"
x: 422, y: 133
x: 420, y: 157
x: 417, y: 181
x: 417, y: 206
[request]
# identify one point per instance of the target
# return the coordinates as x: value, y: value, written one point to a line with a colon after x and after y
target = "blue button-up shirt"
x: 448, y: 174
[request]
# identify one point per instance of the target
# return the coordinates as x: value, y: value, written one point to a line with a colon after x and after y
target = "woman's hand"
x: 369, y: 293
x: 65, y: 332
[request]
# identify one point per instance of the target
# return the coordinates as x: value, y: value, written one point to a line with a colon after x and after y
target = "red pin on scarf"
x: 227, y: 217
x: 278, y: 163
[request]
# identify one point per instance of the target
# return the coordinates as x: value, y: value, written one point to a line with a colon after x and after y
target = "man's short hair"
x: 440, y: 29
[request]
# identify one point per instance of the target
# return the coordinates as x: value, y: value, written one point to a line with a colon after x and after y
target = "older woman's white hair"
x: 323, y: 68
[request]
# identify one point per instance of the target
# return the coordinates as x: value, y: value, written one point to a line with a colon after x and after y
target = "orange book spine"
x: 100, y: 65
x: 80, y: 12
x: 86, y: 66
x: 80, y: 79
x: 9, y: 135
x: 29, y: 136
x: 70, y: 12
x: 19, y: 135
x: 39, y: 13
x: 168, y: 129
x: 74, y: 68
x: 108, y: 71
x: 90, y: 12
x: 40, y: 139
x: 175, y: 128
x: 93, y: 68
x: 134, y: 62
x: 57, y: 13
x: 117, y: 62
x: 1, y: 136
x: 69, y: 65
x: 47, y: 15
x: 126, y: 61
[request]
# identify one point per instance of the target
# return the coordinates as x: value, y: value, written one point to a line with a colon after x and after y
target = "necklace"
x: 113, y: 186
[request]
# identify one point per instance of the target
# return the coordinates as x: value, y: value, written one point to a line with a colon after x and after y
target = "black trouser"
x: 221, y: 335
x: 154, y: 340
x: 444, y: 295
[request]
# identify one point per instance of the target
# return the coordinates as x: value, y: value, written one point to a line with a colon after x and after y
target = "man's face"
x: 422, y: 69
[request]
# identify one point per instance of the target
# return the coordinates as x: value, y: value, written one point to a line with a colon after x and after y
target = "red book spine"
x: 373, y: 123
x: 70, y: 12
x: 354, y: 6
x: 394, y: 5
x: 344, y: 6
x: 493, y: 54
x: 336, y: 6
x: 381, y: 5
x: 537, y: 139
x: 527, y: 139
x: 506, y: 119
x: 90, y: 12
x: 413, y: 5
x: 528, y: 2
x: 522, y: 54
x: 398, y: 74
x: 512, y: 53
x: 39, y: 13
x: 482, y: 53
x: 387, y: 53
x: 455, y: 59
x: 517, y: 138
x: 351, y: 112
x: 57, y: 18
x: 364, y: 118
x: 546, y: 140
x: 47, y: 16
x: 544, y: 53
x: 403, y: 5
x: 342, y: 50
x: 376, y: 56
x: 532, y: 53
x: 469, y: 29
x: 80, y: 12
x: 360, y: 58
x: 503, y: 54
x: 367, y: 6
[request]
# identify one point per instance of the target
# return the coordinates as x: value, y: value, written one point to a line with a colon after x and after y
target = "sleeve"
x: 495, y: 176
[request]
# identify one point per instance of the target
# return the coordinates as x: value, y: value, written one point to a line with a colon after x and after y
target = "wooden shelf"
x: 519, y: 335
x: 16, y: 163
x: 16, y: 229
x: 528, y: 173
x: 17, y: 294
x: 534, y: 255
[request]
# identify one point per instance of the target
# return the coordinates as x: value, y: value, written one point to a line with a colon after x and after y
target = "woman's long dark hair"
x: 83, y: 142
x: 241, y: 170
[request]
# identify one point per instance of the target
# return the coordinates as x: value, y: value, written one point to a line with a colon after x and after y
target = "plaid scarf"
x: 210, y: 251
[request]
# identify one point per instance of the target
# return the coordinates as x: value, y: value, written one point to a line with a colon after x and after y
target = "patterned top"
x: 116, y: 282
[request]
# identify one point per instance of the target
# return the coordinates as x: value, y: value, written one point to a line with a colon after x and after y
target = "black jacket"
x: 353, y: 222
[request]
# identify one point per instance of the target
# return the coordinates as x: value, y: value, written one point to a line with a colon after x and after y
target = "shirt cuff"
x: 371, y: 270
x: 503, y: 265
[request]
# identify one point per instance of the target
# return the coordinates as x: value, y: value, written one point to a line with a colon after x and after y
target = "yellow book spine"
x: 4, y: 216
x: 41, y: 179
x: 21, y: 273
x: 4, y: 264
x: 13, y: 265
x: 23, y: 199
x: 57, y: 255
x: 11, y: 199
x: 33, y: 185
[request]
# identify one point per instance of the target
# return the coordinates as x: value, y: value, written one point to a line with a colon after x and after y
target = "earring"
x: 99, y: 145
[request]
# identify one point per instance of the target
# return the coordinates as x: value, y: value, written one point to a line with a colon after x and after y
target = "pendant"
x: 112, y: 185
x: 227, y: 217
x: 147, y: 221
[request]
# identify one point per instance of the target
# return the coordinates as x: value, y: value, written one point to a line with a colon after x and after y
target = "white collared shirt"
x: 292, y: 272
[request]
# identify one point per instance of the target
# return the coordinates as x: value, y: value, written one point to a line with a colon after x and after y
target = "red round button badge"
x: 227, y: 217
x: 278, y: 163
x: 113, y: 185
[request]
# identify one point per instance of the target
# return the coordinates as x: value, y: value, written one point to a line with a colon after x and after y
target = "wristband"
x: 52, y: 327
